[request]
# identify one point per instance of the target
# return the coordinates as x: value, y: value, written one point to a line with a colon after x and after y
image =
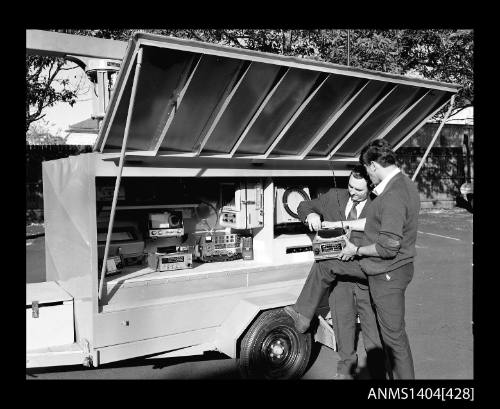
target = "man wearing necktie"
x: 387, y: 252
x: 350, y: 295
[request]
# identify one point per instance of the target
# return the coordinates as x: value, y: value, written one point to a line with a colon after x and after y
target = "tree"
x: 442, y: 55
x: 44, y: 88
x: 40, y: 134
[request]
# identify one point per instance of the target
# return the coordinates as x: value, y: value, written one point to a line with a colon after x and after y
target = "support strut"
x: 120, y: 169
x: 452, y: 102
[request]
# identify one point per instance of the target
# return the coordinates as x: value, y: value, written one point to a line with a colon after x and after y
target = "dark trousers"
x: 388, y: 298
x: 319, y: 281
x: 348, y: 298
x: 388, y: 295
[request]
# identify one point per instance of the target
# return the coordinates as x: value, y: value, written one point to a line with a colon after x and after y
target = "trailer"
x: 178, y: 234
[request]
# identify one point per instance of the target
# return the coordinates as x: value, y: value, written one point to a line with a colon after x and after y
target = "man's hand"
x: 348, y: 252
x: 314, y: 221
x: 331, y: 225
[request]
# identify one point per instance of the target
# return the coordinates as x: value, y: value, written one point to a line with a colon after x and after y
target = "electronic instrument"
x: 287, y: 200
x: 166, y: 224
x: 172, y: 261
x: 247, y: 248
x: 329, y: 243
x: 218, y: 247
x: 242, y: 205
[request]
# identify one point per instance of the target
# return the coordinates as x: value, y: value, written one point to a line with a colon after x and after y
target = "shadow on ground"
x: 210, y: 365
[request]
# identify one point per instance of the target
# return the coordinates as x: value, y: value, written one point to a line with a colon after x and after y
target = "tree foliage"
x: 43, y: 86
x: 39, y: 133
x: 442, y: 55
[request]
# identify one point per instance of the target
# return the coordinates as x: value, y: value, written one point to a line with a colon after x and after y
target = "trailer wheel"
x: 273, y: 349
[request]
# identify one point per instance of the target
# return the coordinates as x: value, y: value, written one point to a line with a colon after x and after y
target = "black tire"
x: 273, y: 349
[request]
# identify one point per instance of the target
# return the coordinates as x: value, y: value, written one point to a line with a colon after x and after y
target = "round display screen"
x: 292, y: 198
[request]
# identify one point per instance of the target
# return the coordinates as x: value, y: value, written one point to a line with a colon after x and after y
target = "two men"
x: 385, y: 255
x: 350, y: 295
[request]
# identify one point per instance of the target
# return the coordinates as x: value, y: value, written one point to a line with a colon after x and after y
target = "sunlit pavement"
x: 438, y: 316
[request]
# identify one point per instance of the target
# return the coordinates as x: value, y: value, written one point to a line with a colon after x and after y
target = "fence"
x: 440, y: 178
x: 36, y: 154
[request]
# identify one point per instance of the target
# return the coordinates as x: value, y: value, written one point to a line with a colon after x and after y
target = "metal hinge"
x: 34, y: 309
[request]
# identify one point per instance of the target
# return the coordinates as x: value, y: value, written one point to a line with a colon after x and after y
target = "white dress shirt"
x: 381, y: 186
x: 359, y: 207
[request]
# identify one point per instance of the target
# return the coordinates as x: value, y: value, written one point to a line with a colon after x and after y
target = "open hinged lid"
x: 196, y: 99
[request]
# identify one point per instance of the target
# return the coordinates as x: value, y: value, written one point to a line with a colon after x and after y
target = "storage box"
x: 49, y: 316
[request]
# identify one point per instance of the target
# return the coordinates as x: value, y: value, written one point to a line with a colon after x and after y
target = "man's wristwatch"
x: 357, y: 250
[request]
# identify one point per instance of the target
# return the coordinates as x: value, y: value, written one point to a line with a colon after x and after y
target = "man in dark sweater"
x: 388, y: 249
x: 385, y: 255
x: 350, y: 295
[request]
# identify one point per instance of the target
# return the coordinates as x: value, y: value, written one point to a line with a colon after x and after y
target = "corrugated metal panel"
x: 211, y: 78
x: 328, y: 100
x: 374, y: 91
x: 380, y: 118
x: 284, y: 102
x: 199, y: 99
x: 257, y: 82
x: 428, y: 104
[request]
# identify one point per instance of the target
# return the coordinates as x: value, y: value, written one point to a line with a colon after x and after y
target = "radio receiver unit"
x: 219, y: 247
x: 170, y: 261
x: 166, y: 224
x: 329, y: 243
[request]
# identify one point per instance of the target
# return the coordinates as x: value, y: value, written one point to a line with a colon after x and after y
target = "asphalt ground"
x: 438, y: 316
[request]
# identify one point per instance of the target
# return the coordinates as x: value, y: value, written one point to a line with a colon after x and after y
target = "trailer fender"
x: 242, y: 316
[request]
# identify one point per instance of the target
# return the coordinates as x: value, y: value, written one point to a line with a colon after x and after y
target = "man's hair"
x: 378, y: 151
x: 359, y: 172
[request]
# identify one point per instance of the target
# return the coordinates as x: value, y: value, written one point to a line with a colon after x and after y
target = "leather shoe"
x: 342, y: 376
x: 301, y: 323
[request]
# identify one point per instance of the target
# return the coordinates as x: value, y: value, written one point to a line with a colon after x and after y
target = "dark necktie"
x: 353, y: 214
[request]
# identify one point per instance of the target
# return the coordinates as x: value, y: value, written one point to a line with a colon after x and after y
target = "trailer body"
x: 192, y: 117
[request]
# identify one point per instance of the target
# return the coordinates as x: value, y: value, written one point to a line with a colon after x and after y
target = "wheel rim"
x: 279, y: 351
